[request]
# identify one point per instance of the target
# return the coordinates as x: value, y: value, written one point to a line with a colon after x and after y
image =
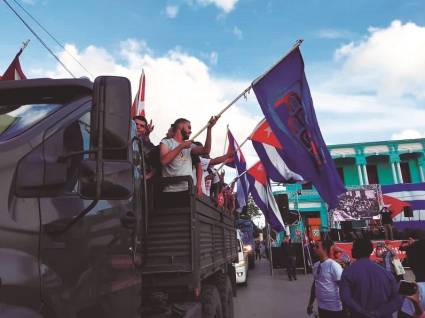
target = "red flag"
x: 138, y: 107
x: 264, y: 134
x: 396, y: 205
x: 14, y: 71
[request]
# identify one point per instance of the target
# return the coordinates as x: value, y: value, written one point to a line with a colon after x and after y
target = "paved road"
x: 272, y: 296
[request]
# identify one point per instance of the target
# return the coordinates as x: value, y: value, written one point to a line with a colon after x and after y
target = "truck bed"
x: 194, y: 241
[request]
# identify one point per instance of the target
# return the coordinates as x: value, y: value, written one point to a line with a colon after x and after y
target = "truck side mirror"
x: 110, y: 116
x: 108, y: 173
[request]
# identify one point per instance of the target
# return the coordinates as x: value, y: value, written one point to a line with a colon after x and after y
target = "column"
x: 361, y: 166
x: 400, y: 176
x: 394, y: 173
x: 395, y: 164
x: 359, y: 170
x: 421, y: 162
x: 366, y: 179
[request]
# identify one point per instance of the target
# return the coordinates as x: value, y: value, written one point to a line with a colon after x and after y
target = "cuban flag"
x: 397, y: 196
x: 14, y: 71
x: 138, y: 106
x: 240, y: 164
x: 284, y: 97
x: 261, y: 191
x: 269, y: 151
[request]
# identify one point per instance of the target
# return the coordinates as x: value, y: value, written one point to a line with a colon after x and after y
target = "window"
x: 372, y: 174
x: 16, y: 119
x: 341, y: 173
x: 405, y: 172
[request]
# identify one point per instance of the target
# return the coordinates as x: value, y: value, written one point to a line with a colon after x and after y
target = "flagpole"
x: 225, y: 140
x: 237, y: 149
x: 246, y: 90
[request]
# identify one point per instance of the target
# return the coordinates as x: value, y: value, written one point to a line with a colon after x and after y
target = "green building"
x: 385, y: 163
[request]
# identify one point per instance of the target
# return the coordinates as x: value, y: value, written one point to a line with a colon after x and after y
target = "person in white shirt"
x: 327, y: 274
x: 175, y: 158
x: 203, y: 181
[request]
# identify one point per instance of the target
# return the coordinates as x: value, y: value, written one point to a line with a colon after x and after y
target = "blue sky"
x: 205, y: 51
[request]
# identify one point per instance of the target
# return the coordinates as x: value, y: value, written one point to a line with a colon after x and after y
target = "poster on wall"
x: 358, y: 203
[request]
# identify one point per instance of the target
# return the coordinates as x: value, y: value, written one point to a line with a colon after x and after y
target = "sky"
x: 364, y: 59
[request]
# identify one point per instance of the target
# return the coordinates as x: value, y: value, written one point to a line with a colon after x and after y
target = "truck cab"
x: 77, y: 224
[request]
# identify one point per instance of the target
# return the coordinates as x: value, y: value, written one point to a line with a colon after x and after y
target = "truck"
x: 82, y: 234
x: 247, y: 231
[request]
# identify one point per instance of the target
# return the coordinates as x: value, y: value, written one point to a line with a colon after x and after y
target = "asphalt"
x: 273, y: 296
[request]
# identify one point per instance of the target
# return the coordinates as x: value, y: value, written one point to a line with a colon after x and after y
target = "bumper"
x: 241, y: 274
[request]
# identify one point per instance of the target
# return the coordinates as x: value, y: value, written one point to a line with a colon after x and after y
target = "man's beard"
x: 185, y: 135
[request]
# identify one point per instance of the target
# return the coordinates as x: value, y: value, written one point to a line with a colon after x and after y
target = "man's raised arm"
x: 206, y: 149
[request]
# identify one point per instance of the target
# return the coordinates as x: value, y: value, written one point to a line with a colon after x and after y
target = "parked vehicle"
x: 247, y: 229
x: 80, y: 236
x: 241, y: 266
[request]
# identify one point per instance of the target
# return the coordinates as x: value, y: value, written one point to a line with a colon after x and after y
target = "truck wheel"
x: 224, y: 287
x: 211, y: 303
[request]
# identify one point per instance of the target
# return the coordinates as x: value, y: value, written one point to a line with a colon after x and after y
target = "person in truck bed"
x: 175, y: 158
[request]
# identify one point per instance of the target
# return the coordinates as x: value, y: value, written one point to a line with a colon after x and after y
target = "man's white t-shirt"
x: 408, y: 307
x: 326, y: 276
x: 180, y: 166
x: 206, y: 184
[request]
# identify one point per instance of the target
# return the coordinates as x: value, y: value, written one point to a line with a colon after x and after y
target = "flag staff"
x: 225, y: 140
x: 24, y: 45
x: 246, y: 90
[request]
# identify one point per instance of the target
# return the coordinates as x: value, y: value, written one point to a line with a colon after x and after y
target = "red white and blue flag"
x: 260, y: 189
x: 14, y: 71
x: 284, y: 97
x: 269, y: 151
x: 240, y: 164
x: 138, y: 106
x: 397, y: 196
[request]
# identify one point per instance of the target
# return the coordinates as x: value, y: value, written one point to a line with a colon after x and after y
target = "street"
x: 272, y: 296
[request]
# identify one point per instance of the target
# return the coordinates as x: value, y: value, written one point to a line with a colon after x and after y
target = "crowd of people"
x: 177, y: 155
x: 363, y: 288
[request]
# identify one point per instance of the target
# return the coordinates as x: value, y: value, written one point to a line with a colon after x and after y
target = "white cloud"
x: 238, y: 32
x: 177, y: 85
x: 408, y: 134
x: 225, y: 5
x: 375, y: 88
x: 171, y: 11
x: 390, y: 60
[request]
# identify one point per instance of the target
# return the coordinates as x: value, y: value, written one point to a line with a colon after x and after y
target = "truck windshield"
x: 15, y: 119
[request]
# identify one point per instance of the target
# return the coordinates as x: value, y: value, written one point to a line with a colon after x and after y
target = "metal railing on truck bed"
x: 195, y: 239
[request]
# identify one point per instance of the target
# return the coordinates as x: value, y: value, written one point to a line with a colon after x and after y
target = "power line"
x: 53, y: 38
x: 38, y: 38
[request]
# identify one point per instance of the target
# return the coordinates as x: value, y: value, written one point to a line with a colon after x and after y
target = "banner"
x: 395, y: 245
x: 358, y: 203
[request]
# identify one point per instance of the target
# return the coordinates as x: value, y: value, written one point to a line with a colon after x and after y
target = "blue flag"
x: 284, y: 97
x: 240, y: 164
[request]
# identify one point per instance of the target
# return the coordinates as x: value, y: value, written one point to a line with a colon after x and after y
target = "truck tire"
x: 225, y: 290
x: 211, y: 303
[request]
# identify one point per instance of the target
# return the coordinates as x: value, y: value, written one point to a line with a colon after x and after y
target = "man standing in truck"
x: 176, y: 160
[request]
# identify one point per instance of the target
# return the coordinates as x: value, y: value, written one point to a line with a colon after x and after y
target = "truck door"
x: 88, y: 270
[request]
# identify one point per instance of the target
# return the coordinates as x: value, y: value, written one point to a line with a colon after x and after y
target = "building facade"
x: 385, y: 163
